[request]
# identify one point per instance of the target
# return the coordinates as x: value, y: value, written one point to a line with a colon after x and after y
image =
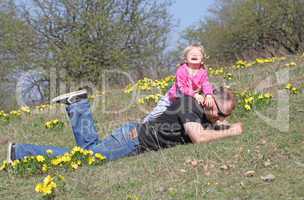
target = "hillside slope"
x: 217, y: 170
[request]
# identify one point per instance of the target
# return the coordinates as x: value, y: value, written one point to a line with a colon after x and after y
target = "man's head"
x: 225, y: 103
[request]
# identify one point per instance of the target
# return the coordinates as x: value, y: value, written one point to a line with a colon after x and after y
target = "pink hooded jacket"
x: 188, y: 84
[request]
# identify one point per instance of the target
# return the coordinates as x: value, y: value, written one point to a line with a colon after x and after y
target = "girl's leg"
x: 160, y: 108
x: 23, y: 150
x: 82, y: 123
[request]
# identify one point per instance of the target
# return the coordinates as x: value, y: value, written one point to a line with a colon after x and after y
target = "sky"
x: 187, y: 13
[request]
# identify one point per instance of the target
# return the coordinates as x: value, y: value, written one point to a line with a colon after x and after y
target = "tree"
x: 80, y: 39
x: 17, y: 44
x: 86, y: 37
x: 251, y: 28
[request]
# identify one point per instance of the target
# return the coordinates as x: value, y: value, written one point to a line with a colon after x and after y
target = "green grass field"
x: 217, y: 170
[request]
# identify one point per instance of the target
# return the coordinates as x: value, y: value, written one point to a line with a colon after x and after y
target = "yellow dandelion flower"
x: 88, y: 152
x: 61, y: 177
x: 25, y: 109
x: 249, y: 100
x: 241, y: 63
x: 48, y: 125
x: 66, y: 158
x: 141, y: 101
x: 47, y: 190
x: 250, y: 64
x: 295, y: 90
x: 47, y: 180
x: 247, y: 107
x: 38, y: 187
x: 47, y: 186
x: 288, y: 86
x: 267, y: 95
x: 259, y: 60
x: 53, y: 185
x: 40, y: 158
x: 261, y: 96
x: 268, y: 60
x: 291, y: 64
x: 76, y: 149
x: 49, y: 151
x: 45, y: 168
x: 15, y: 113
x: 74, y: 165
x: 56, y: 161
x: 100, y: 156
x: 4, y: 165
x: 78, y: 162
x: 91, y: 160
x: 15, y: 163
x: 91, y: 97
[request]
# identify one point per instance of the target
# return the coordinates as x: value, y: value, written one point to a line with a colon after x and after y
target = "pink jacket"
x: 189, y: 85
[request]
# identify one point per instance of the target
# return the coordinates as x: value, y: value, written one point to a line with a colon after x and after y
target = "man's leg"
x: 23, y: 150
x: 119, y: 144
x: 116, y: 145
x: 83, y: 128
x: 82, y: 123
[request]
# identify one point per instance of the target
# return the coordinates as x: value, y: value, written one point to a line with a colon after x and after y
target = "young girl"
x: 191, y: 78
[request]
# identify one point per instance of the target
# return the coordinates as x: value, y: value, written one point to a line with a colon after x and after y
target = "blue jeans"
x: 118, y: 144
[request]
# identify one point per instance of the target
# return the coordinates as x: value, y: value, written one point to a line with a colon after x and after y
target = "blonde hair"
x: 188, y: 48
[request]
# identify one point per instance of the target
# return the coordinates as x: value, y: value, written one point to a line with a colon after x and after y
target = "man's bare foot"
x: 3, y: 141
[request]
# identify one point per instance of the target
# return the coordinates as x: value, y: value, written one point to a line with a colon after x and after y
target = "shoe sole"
x: 9, y: 151
x: 68, y: 95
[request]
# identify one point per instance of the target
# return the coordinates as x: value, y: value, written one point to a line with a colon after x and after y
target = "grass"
x: 167, y: 174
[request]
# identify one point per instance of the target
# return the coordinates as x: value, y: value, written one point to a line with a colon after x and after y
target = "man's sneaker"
x: 71, y: 97
x: 11, y: 153
x: 87, y: 88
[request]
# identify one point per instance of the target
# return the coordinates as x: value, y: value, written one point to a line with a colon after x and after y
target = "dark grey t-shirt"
x: 167, y: 130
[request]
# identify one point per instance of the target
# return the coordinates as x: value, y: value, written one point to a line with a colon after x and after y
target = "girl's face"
x: 194, y: 56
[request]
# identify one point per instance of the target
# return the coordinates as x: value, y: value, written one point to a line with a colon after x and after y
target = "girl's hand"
x: 199, y: 98
x: 209, y: 101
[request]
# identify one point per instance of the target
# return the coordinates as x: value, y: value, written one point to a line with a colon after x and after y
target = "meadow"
x: 266, y: 162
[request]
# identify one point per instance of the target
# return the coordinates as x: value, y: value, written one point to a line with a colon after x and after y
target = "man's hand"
x: 237, y: 128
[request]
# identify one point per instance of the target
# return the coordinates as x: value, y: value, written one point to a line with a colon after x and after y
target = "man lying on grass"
x: 185, y: 121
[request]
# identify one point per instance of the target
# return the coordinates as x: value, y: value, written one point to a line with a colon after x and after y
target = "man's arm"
x: 198, y: 134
